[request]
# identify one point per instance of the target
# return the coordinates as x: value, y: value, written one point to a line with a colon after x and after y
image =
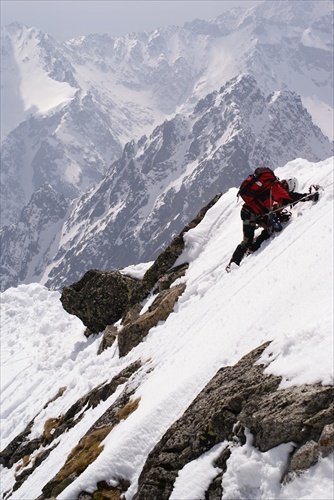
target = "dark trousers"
x: 249, y: 223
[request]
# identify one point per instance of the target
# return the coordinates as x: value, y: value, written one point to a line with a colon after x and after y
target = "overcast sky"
x: 65, y: 19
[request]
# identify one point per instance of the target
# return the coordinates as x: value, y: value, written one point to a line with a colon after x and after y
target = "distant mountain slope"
x: 28, y: 246
x: 69, y: 108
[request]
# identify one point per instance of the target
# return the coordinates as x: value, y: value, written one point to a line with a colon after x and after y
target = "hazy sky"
x: 64, y: 19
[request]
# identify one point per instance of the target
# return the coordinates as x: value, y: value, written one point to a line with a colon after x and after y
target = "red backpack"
x: 257, y: 187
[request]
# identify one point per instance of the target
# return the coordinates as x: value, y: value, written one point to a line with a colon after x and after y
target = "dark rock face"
x: 309, y: 453
x: 238, y: 397
x: 109, y: 336
x: 102, y: 298
x: 296, y: 414
x: 99, y: 299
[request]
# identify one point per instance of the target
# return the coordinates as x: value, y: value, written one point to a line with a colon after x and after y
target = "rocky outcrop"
x: 99, y: 299
x: 131, y: 335
x: 110, y: 334
x: 308, y: 454
x: 89, y: 446
x: 240, y: 397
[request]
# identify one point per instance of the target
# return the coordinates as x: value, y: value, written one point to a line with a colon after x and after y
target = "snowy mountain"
x: 87, y: 105
x: 229, y: 397
x: 29, y: 246
x: 105, y: 92
x: 161, y: 182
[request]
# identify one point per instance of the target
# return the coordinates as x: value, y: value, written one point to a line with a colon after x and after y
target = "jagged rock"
x: 132, y: 314
x: 294, y: 414
x: 106, y: 492
x: 21, y: 446
x: 85, y: 496
x: 82, y: 455
x: 134, y: 332
x: 99, y: 299
x: 215, y: 490
x: 89, y: 447
x: 171, y: 275
x: 100, y: 393
x: 237, y: 397
x: 309, y: 453
x: 326, y: 441
x: 109, y: 336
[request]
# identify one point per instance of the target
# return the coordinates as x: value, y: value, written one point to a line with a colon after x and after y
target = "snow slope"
x: 283, y: 293
x: 26, y: 86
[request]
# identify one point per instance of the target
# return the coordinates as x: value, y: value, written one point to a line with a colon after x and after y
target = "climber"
x: 291, y: 185
x: 266, y: 211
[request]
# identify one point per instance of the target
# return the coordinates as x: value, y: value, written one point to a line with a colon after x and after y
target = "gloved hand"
x: 314, y: 196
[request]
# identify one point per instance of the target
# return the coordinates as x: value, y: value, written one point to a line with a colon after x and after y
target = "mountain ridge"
x: 121, y: 92
x: 160, y: 181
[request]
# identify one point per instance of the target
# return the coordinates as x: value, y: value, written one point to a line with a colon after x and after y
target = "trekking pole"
x: 317, y: 187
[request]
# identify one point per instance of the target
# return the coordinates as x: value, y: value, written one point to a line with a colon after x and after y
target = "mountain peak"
x: 142, y: 130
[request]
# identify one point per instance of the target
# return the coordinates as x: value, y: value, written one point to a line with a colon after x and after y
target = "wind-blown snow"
x: 283, y: 293
x: 311, y: 39
x: 34, y: 91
